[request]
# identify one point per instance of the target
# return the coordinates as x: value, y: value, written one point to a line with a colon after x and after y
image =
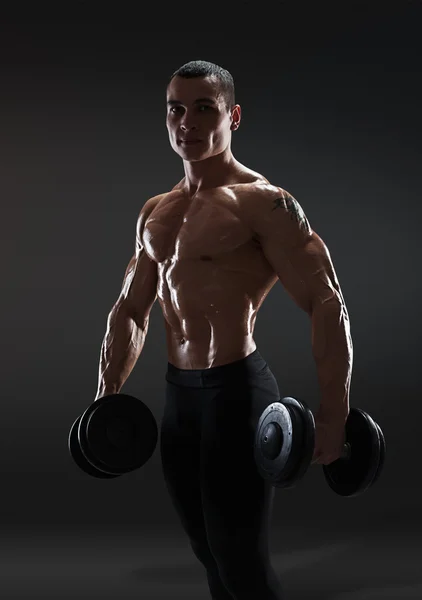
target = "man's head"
x: 201, y: 105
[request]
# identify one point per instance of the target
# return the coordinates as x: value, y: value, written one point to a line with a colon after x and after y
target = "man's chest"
x: 209, y: 225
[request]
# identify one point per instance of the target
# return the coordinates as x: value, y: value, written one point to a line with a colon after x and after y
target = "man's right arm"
x: 128, y: 320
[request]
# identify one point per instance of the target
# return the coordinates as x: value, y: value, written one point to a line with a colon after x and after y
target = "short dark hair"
x: 202, y: 68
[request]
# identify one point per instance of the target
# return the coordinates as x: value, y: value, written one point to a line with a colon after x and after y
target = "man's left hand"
x: 329, y: 437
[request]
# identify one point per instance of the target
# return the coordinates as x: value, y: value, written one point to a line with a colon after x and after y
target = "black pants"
x: 207, y: 437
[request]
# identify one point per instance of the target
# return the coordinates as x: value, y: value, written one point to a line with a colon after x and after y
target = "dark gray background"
x: 330, y: 103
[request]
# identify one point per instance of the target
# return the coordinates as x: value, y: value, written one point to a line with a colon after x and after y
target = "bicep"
x: 139, y: 287
x: 306, y: 271
x: 297, y: 254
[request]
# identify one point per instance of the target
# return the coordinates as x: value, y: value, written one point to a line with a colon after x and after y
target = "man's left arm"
x: 303, y: 264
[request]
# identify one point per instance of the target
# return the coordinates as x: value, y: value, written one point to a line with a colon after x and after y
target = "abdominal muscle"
x: 213, y: 323
x: 208, y: 351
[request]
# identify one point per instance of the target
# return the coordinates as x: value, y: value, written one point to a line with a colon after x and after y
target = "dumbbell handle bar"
x: 346, y: 452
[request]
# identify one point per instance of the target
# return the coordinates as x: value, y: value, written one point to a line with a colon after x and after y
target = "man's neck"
x: 207, y: 174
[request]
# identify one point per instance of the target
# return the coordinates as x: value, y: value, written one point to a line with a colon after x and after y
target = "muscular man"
x: 211, y: 249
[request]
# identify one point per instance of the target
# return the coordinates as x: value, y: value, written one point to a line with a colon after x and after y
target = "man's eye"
x: 174, y: 108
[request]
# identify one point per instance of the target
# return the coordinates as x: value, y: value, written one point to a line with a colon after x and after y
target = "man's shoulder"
x: 152, y: 202
x: 259, y: 199
x: 262, y: 190
x: 148, y: 207
x: 254, y: 184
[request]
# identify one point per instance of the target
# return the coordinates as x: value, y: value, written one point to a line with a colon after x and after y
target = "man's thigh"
x: 180, y: 456
x: 237, y: 501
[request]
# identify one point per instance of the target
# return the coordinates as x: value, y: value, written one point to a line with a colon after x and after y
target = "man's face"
x: 196, y: 111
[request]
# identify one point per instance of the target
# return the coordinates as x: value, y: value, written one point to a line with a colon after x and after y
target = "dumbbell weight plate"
x: 118, y: 434
x: 382, y: 455
x: 78, y: 456
x: 273, y: 442
x: 303, y: 423
x: 284, y: 442
x: 352, y: 476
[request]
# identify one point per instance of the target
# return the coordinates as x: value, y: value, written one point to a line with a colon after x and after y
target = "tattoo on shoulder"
x: 294, y: 209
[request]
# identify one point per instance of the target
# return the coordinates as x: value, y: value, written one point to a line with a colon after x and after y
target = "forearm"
x: 333, y: 353
x: 121, y: 347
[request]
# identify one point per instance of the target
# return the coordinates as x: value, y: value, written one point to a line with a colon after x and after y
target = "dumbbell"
x: 116, y: 434
x: 285, y: 442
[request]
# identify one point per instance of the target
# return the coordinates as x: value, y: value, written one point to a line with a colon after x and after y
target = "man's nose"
x: 186, y: 126
x: 188, y: 122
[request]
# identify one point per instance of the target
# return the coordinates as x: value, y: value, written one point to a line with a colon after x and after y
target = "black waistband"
x: 247, y: 366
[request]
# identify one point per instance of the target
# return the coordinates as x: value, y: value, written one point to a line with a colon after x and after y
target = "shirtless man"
x: 211, y: 249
